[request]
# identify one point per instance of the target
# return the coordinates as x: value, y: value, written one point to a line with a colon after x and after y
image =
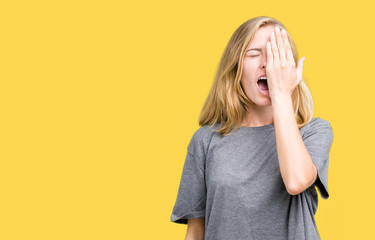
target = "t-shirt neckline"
x: 259, y: 128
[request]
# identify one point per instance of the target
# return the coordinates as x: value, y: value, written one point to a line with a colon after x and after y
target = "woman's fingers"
x: 288, y: 49
x: 275, y: 51
x: 280, y: 45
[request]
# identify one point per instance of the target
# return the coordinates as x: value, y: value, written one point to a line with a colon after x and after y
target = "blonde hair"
x: 227, y: 103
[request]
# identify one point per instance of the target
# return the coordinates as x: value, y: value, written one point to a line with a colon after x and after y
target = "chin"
x: 263, y: 102
x: 260, y: 99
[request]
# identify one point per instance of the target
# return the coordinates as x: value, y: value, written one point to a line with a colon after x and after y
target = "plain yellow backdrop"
x: 99, y: 100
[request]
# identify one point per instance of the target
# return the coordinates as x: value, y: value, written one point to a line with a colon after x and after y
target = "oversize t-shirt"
x: 235, y: 183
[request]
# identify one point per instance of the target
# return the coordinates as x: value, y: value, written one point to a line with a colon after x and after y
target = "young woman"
x: 251, y: 168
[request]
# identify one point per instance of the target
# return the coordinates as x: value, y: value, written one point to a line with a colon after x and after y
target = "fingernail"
x: 277, y: 28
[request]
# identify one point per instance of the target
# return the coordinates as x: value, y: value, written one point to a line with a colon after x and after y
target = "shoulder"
x: 204, y: 132
x: 317, y: 125
x: 201, y: 139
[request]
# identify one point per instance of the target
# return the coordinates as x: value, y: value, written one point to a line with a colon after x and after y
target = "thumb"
x: 300, y: 67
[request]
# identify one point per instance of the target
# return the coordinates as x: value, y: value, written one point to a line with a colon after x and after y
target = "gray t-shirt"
x: 235, y: 183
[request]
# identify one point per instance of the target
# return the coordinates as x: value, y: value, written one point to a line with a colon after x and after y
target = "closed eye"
x: 254, y: 55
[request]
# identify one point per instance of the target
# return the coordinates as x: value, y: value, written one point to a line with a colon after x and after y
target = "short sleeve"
x: 191, y: 197
x: 318, y: 141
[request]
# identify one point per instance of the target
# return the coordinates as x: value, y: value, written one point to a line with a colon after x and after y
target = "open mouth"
x: 262, y: 83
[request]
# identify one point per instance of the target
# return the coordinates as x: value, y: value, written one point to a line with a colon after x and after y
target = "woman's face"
x: 254, y: 66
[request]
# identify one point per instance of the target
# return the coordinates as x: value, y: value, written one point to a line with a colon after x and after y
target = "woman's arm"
x: 195, y: 229
x: 297, y: 168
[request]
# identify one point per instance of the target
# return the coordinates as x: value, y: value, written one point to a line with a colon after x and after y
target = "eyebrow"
x: 256, y: 49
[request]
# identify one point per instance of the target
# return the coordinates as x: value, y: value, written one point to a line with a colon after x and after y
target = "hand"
x: 282, y: 74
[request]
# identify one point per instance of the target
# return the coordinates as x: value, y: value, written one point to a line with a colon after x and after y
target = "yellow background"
x: 99, y: 100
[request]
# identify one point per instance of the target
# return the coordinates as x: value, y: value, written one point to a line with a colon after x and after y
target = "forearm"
x: 295, y: 162
x: 195, y: 229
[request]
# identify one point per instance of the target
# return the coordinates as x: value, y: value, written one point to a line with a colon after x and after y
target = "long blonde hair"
x: 227, y: 103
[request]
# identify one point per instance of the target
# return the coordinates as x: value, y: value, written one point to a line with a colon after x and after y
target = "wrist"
x: 281, y: 98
